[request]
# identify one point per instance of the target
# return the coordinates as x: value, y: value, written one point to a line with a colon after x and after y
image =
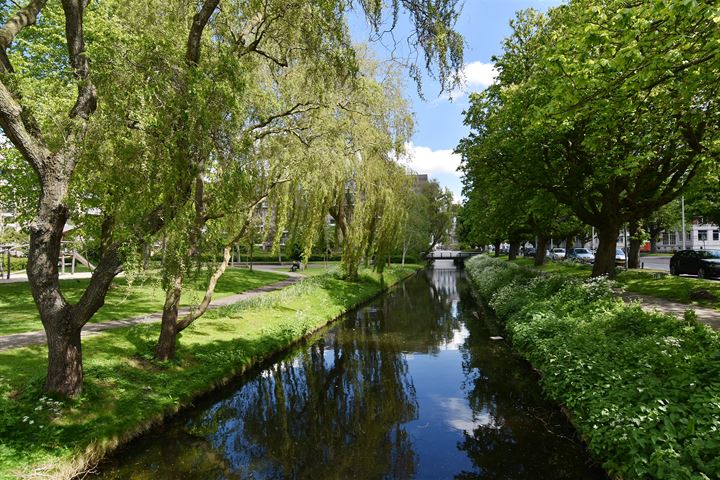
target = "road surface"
x: 656, y: 263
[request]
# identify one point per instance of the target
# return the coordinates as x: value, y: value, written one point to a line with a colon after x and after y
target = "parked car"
x: 582, y: 255
x: 556, y: 253
x: 529, y: 252
x: 620, y: 257
x: 703, y: 263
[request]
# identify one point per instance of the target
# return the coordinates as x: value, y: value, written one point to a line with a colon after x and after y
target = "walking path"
x: 705, y: 315
x: 19, y: 277
x: 34, y: 338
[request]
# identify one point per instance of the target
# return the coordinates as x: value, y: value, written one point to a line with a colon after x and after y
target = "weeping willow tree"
x: 128, y: 94
x: 284, y: 161
x: 258, y: 158
x: 368, y: 186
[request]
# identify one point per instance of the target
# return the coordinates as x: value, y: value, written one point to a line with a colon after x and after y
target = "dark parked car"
x: 529, y: 252
x: 703, y: 263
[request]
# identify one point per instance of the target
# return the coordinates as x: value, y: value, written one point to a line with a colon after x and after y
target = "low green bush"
x: 642, y: 388
x: 16, y: 263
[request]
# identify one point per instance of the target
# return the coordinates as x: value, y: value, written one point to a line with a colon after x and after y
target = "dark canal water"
x: 409, y: 386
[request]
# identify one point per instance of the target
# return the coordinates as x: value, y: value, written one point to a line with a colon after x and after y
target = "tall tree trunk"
x: 497, y: 248
x: 514, y: 249
x: 634, y: 248
x: 653, y: 243
x: 540, y: 251
x: 654, y: 235
x: 165, y: 348
x: 569, y: 243
x: 65, y: 366
x: 146, y: 256
x: 605, y: 255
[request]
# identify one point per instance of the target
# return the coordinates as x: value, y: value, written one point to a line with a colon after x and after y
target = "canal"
x: 408, y: 386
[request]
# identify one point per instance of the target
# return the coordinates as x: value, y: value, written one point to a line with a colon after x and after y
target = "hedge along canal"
x: 642, y: 388
x: 126, y: 392
x: 410, y: 385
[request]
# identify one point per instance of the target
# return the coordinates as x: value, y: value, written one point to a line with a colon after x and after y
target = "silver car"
x: 582, y: 255
x: 620, y: 257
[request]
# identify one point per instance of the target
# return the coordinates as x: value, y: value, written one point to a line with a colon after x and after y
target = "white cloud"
x: 426, y: 160
x: 479, y: 74
x: 459, y: 416
x: 475, y: 76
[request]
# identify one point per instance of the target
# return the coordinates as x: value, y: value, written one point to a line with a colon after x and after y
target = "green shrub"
x: 16, y: 263
x: 642, y: 388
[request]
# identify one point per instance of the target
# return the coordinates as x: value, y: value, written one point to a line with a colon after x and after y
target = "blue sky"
x: 439, y: 121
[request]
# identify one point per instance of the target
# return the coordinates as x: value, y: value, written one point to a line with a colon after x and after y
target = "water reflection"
x: 410, y: 386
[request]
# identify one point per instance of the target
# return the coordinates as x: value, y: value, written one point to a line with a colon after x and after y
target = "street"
x: 656, y: 263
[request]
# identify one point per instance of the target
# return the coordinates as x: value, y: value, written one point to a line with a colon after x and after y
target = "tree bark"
x: 497, y: 248
x: 165, y: 349
x: 653, y: 243
x: 65, y: 367
x: 514, y: 249
x: 634, y: 247
x: 540, y: 251
x: 605, y: 255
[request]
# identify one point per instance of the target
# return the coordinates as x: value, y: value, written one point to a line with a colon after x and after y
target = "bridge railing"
x: 450, y: 255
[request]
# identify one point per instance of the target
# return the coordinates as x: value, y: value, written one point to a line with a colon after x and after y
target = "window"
x: 672, y: 238
x: 665, y: 238
x: 716, y: 235
x: 702, y: 235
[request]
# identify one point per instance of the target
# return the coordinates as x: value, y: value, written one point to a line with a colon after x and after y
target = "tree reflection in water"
x: 408, y: 386
x: 518, y: 434
x: 334, y: 410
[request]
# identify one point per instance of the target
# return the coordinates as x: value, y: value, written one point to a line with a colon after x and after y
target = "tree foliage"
x: 124, y: 110
x: 610, y: 107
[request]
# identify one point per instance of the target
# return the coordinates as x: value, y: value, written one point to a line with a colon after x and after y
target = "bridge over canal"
x: 458, y: 257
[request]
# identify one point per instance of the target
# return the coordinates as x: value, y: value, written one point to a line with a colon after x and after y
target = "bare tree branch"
x: 297, y: 108
x: 86, y: 102
x: 17, y: 130
x: 200, y: 20
x: 24, y: 17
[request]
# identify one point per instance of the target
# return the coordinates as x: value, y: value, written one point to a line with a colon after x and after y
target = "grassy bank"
x: 18, y: 312
x: 652, y: 283
x: 126, y: 391
x: 642, y: 388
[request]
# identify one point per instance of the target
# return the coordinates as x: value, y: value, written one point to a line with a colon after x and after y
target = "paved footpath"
x: 705, y: 315
x: 34, y: 338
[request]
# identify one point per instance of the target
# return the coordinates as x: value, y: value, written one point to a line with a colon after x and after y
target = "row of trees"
x: 603, y: 112
x: 185, y: 120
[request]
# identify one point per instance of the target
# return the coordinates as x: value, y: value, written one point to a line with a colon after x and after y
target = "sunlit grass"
x: 651, y: 283
x: 141, y: 296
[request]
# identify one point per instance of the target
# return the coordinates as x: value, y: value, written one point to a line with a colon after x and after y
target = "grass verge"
x: 642, y: 388
x: 651, y: 283
x: 126, y: 392
x: 18, y: 313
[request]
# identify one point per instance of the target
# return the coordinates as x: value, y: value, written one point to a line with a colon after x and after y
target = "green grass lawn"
x: 126, y: 391
x: 321, y: 269
x: 18, y: 313
x: 651, y: 283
